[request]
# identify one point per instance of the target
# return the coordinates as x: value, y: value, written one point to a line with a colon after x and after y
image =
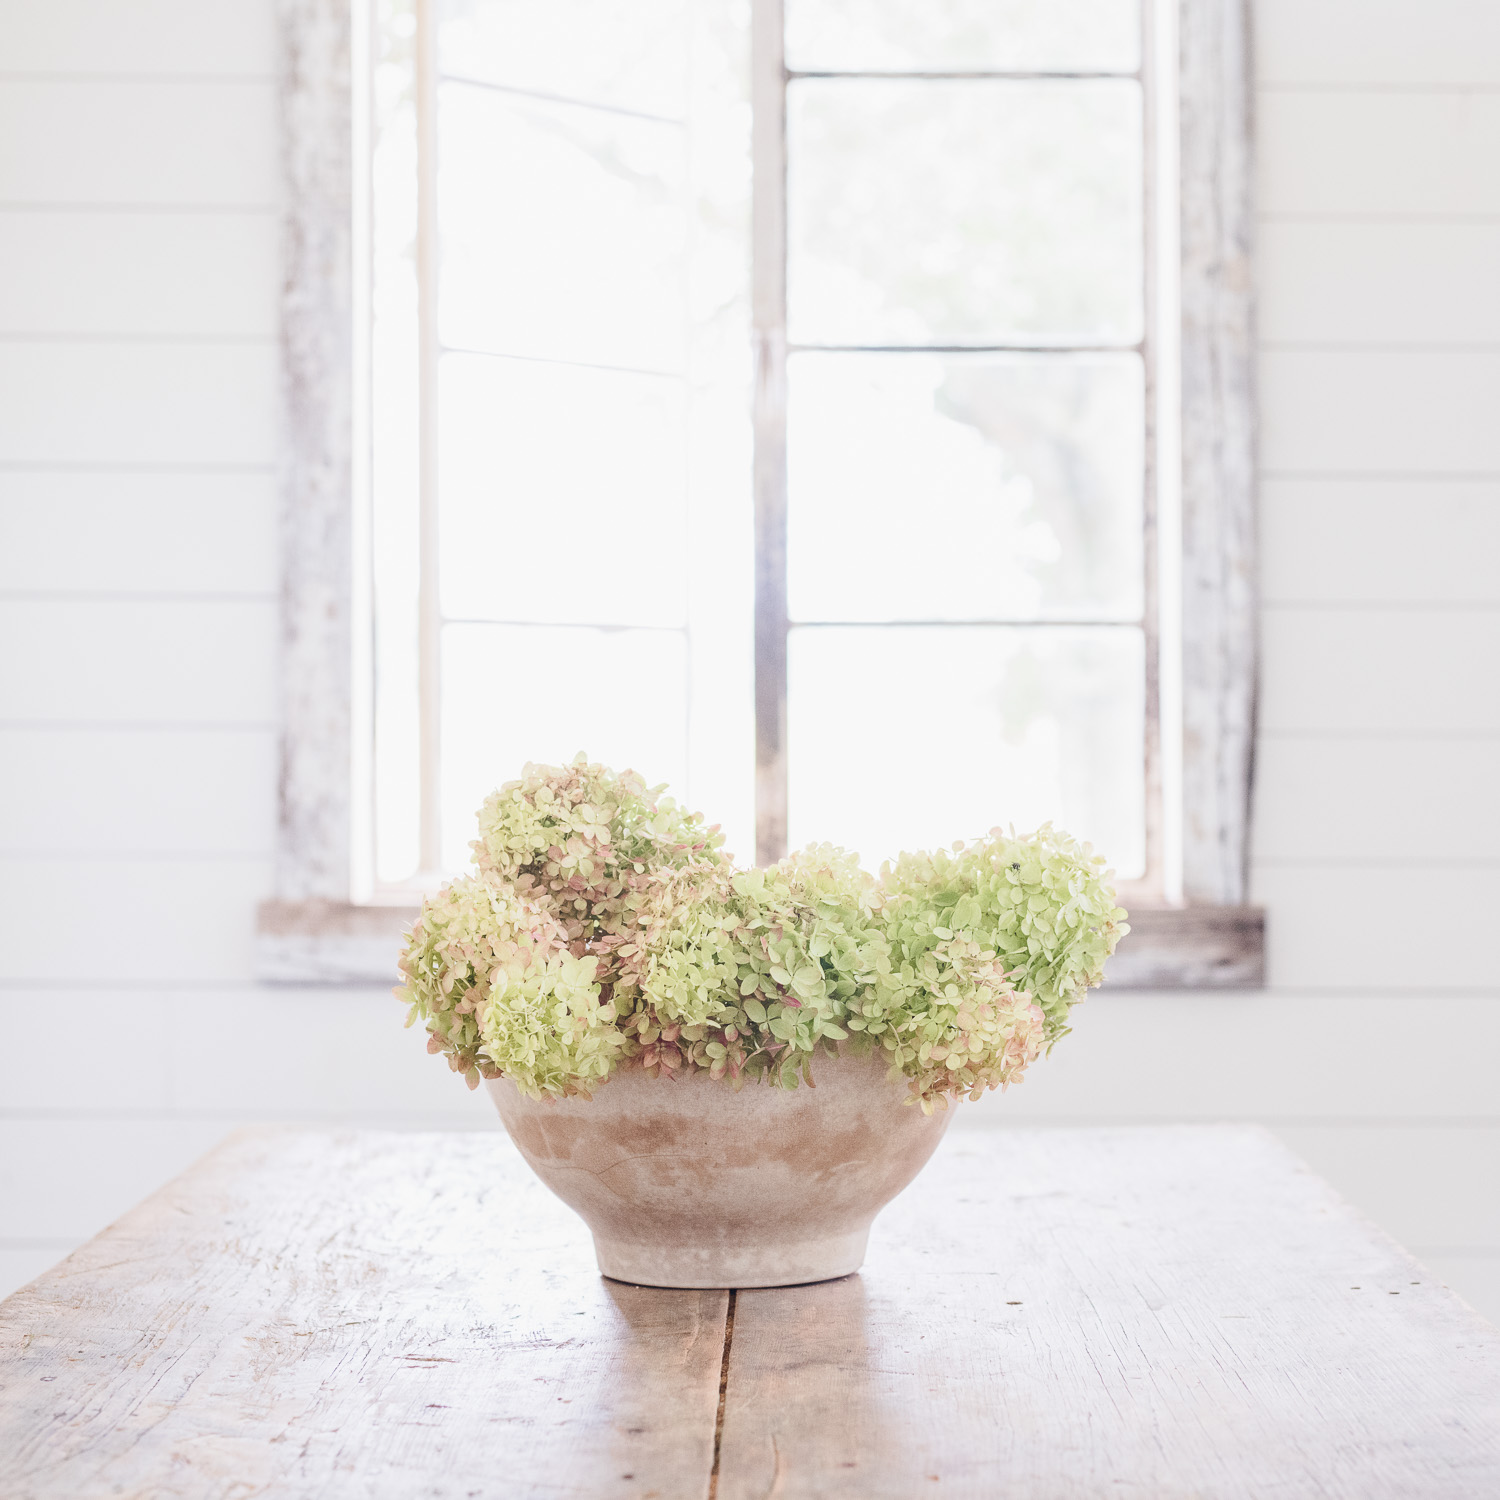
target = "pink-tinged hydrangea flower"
x: 605, y: 926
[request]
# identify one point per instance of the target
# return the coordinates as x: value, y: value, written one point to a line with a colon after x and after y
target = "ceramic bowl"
x: 686, y: 1183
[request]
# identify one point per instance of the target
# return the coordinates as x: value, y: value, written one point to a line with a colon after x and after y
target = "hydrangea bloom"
x: 605, y: 925
x: 501, y: 991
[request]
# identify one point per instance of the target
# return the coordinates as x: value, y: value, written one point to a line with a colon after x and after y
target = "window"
x: 785, y: 404
x: 929, y: 229
x: 561, y: 442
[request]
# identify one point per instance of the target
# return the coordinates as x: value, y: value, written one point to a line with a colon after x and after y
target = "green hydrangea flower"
x: 1042, y: 902
x: 605, y: 926
x: 501, y: 992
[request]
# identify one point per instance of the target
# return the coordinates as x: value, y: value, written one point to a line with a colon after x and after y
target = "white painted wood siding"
x: 138, y: 219
x: 137, y: 576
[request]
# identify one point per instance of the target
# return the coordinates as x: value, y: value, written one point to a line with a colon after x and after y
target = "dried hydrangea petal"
x: 605, y: 924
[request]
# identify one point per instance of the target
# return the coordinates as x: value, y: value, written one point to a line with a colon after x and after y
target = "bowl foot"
x: 731, y: 1266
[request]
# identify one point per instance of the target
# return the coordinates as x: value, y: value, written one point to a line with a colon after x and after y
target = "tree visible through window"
x: 767, y: 401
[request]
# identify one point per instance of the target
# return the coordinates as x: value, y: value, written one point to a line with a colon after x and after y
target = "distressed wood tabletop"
x: 1152, y: 1313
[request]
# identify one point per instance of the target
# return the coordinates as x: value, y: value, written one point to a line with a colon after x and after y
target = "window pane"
x: 562, y: 493
x: 965, y: 487
x: 514, y: 694
x: 631, y: 55
x: 964, y: 212
x: 962, y: 35
x: 563, y: 231
x: 908, y: 738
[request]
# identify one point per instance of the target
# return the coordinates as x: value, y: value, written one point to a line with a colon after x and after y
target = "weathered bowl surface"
x: 686, y: 1183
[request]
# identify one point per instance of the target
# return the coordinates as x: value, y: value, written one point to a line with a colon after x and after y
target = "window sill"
x: 1168, y: 948
x: 329, y: 942
x: 1191, y: 948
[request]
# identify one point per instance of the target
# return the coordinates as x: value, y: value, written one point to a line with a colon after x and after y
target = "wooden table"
x: 1057, y: 1314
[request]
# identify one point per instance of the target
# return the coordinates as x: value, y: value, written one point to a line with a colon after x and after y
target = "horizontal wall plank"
x: 352, y: 1057
x: 1378, y: 541
x: 68, y: 1179
x: 20, y: 1265
x: 1259, y: 1056
x: 250, y: 1052
x: 1373, y: 412
x: 84, y: 1049
x: 109, y: 403
x: 158, y: 274
x: 1378, y: 283
x: 1357, y: 669
x: 1354, y: 927
x: 151, y: 661
x: 138, y: 792
x: 1378, y: 153
x: 145, y: 533
x: 138, y: 142
x: 1377, y: 41
x: 1417, y: 1184
x: 1377, y: 799
x: 125, y: 920
x: 146, y: 36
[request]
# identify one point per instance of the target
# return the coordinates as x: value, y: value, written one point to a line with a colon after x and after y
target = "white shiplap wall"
x: 137, y: 693
x: 138, y: 235
x: 1378, y: 835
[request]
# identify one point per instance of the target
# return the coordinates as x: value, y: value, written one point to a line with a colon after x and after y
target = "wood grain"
x: 1220, y: 654
x: 1157, y: 1313
x: 353, y: 1315
x: 317, y: 499
x: 1191, y: 947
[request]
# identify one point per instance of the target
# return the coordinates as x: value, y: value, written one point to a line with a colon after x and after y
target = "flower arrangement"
x: 605, y: 926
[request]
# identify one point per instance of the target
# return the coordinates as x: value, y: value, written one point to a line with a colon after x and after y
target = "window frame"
x: 320, y: 927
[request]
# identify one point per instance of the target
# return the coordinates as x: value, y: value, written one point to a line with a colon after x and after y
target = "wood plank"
x: 208, y: 143
x: 1378, y: 283
x: 95, y: 532
x: 159, y: 274
x: 1389, y: 42
x: 1155, y: 1313
x: 1431, y: 946
x: 1386, y: 671
x: 1191, y: 947
x: 329, y: 942
x: 1354, y: 541
x: 1351, y: 412
x: 1130, y: 1053
x: 178, y: 37
x: 1439, y: 799
x: 321, y: 655
x: 1378, y: 152
x: 176, y: 920
x: 111, y: 403
x: 138, y: 792
x: 371, y: 1315
x: 1218, y: 472
x: 142, y: 661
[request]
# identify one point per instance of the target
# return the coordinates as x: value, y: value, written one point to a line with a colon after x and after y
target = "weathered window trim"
x: 314, y: 932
